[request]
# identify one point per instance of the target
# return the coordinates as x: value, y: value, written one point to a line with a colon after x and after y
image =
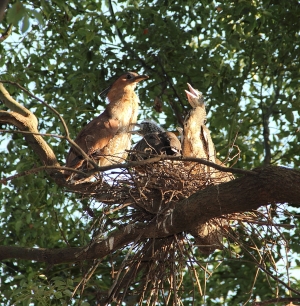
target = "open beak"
x: 194, y: 96
x: 192, y: 93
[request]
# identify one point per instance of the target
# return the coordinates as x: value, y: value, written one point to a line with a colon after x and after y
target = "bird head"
x: 147, y: 127
x: 131, y: 78
x: 125, y: 80
x: 194, y: 96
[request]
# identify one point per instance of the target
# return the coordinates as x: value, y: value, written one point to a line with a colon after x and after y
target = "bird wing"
x: 93, y: 137
x: 209, y: 145
x: 173, y: 143
x: 159, y: 143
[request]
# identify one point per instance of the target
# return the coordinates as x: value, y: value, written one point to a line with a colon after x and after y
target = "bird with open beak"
x: 196, y: 140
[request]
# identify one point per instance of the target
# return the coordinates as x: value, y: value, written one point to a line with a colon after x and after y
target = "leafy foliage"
x: 244, y: 57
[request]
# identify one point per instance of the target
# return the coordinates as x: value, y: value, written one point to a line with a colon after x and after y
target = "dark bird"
x: 196, y: 140
x: 107, y: 137
x: 155, y: 141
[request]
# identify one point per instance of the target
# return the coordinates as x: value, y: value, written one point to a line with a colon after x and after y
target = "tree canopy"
x: 110, y: 241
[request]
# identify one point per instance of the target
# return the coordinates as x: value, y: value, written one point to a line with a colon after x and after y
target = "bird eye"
x: 128, y: 76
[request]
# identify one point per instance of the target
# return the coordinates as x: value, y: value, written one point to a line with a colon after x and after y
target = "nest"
x: 153, y: 270
x: 140, y: 195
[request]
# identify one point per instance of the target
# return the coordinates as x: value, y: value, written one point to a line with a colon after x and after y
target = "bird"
x: 107, y: 137
x: 197, y: 142
x: 196, y: 139
x: 155, y: 141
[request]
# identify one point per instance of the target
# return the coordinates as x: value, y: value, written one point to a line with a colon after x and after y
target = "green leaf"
x: 67, y: 293
x: 16, y: 13
x: 25, y: 23
x: 18, y: 226
x: 89, y: 36
x: 58, y: 295
x: 20, y: 276
x: 289, y: 116
x: 39, y: 17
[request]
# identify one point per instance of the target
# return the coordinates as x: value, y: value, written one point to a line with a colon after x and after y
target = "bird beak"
x: 192, y: 93
x: 104, y: 92
x: 135, y: 131
x: 139, y: 78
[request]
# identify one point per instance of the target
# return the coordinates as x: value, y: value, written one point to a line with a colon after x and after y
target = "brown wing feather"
x: 210, y: 147
x: 94, y: 136
x: 174, y: 144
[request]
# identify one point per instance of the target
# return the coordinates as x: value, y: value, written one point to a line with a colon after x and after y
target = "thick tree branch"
x: 215, y: 201
x: 16, y: 107
x: 36, y: 98
x: 8, y: 31
x: 67, y: 137
x: 26, y: 121
x: 3, y: 5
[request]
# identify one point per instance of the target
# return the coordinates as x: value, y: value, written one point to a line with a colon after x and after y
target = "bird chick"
x: 155, y: 141
x: 197, y: 141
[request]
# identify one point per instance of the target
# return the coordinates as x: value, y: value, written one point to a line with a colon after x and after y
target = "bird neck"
x: 117, y: 95
x: 196, y: 116
x: 123, y: 105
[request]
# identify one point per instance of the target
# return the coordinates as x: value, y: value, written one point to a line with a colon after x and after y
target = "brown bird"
x: 196, y: 140
x: 107, y: 137
x: 155, y: 141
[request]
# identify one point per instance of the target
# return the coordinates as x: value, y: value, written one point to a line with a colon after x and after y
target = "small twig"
x: 38, y: 169
x: 258, y: 264
x: 126, y: 45
x: 289, y: 226
x: 169, y: 80
x: 61, y: 231
x: 33, y: 133
x: 86, y: 277
x: 110, y: 291
x: 191, y: 266
x: 276, y: 300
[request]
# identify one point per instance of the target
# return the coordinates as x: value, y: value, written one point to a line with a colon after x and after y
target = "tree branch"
x: 8, y: 31
x: 123, y: 41
x: 3, y: 5
x: 172, y: 104
x: 26, y: 121
x: 128, y: 165
x: 215, y: 201
x: 277, y: 300
x: 38, y: 99
x: 266, y: 121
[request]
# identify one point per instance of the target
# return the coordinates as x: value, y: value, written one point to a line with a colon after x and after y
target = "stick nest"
x: 154, y: 269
